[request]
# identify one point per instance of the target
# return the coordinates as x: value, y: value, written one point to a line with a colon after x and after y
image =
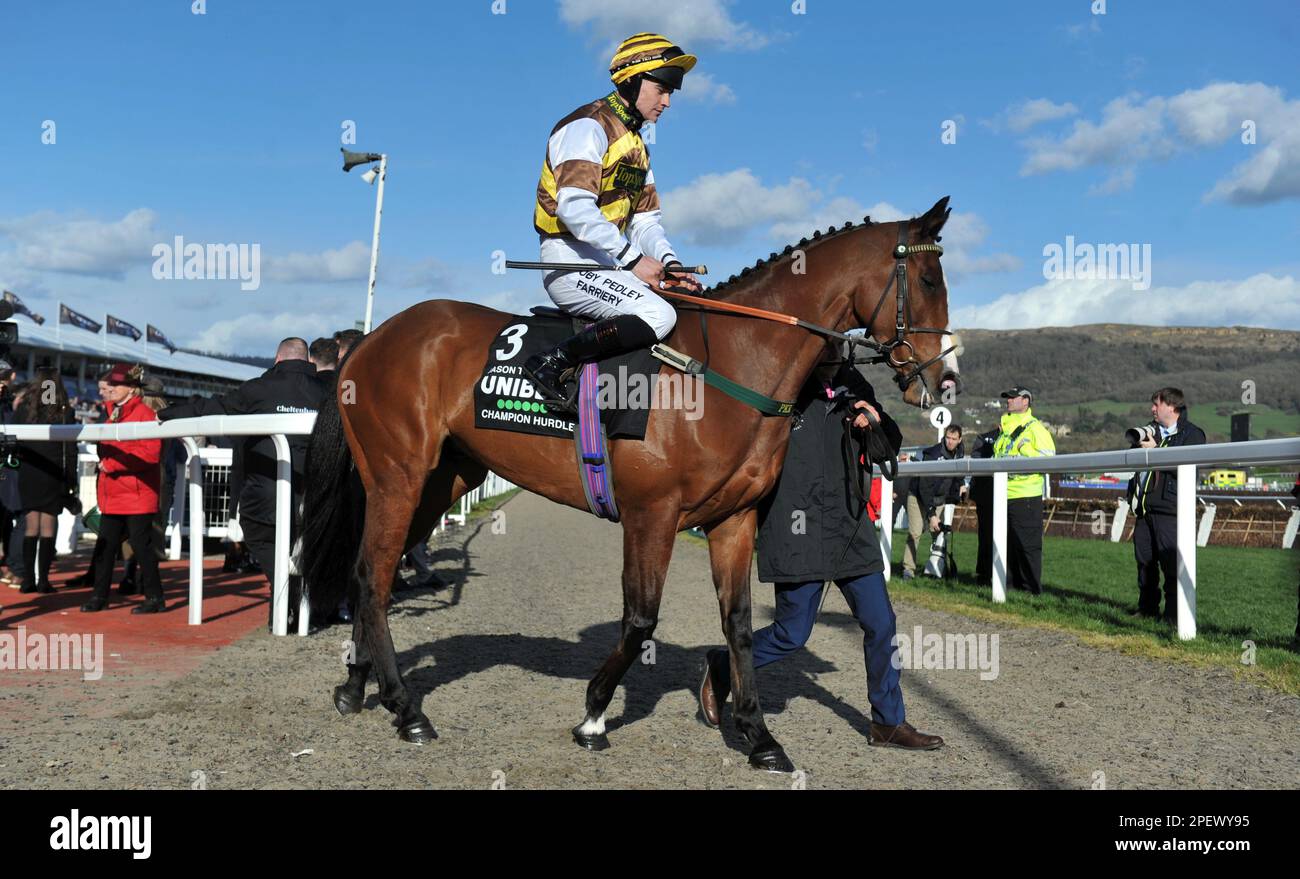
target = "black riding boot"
x: 551, y: 370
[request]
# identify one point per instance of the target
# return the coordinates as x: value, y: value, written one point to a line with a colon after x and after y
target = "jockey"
x: 596, y: 202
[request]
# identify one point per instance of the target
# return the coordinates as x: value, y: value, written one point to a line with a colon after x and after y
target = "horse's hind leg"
x: 731, y: 551
x: 351, y: 695
x: 407, y: 513
x: 647, y: 547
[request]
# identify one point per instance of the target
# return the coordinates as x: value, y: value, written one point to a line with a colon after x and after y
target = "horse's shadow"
x: 655, y: 673
x: 455, y: 579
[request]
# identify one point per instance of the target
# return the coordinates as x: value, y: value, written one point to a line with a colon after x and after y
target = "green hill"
x: 1098, y: 379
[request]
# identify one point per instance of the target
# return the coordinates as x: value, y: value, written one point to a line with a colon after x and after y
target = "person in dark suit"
x: 1153, y: 497
x: 814, y: 527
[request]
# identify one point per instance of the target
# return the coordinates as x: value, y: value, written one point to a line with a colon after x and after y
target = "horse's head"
x: 902, y: 301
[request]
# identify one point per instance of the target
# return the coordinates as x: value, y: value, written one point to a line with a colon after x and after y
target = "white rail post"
x: 178, y: 505
x: 283, y: 500
x: 1186, y: 551
x: 887, y: 523
x: 1292, y: 526
x: 999, y: 538
x: 1117, y: 527
x: 194, y: 468
x: 1206, y: 526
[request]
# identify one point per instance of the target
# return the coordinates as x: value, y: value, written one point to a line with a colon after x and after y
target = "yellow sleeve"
x: 1043, y: 442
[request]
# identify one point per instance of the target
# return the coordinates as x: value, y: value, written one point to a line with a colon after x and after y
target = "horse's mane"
x: 778, y: 258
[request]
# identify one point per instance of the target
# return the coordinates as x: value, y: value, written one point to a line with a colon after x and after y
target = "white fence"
x: 1185, y: 459
x: 191, y: 483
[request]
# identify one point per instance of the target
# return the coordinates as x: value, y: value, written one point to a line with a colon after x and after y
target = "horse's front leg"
x: 648, y: 536
x: 731, y: 550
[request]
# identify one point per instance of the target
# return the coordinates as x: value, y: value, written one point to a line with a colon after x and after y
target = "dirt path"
x: 505, y: 654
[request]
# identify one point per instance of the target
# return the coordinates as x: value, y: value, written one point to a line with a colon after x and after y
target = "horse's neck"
x: 770, y: 357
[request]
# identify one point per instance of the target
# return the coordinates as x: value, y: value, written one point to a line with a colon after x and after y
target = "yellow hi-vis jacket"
x: 1032, y: 442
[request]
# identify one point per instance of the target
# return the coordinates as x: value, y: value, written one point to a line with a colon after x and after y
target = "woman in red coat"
x: 129, y: 476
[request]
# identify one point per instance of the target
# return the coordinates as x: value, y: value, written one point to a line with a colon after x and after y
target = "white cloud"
x: 47, y: 241
x: 1259, y: 301
x: 723, y: 209
x: 685, y: 22
x: 963, y: 234
x: 1024, y: 116
x: 718, y: 209
x: 1132, y: 130
x: 351, y: 262
x: 699, y: 86
x: 260, y: 333
x: 1121, y: 181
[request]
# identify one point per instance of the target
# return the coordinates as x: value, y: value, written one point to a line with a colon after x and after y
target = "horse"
x: 397, y: 446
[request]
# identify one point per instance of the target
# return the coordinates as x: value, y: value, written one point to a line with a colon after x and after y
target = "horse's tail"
x: 334, y: 512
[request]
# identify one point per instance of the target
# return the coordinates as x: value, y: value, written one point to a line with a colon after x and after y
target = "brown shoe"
x: 715, y: 686
x: 903, y: 736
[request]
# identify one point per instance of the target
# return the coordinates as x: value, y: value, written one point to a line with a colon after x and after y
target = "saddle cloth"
x: 504, y: 398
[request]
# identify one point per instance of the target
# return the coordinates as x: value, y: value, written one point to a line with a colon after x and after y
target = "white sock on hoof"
x: 593, y: 727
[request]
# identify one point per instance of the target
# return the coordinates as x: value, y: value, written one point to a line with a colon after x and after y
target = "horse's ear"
x: 934, y: 218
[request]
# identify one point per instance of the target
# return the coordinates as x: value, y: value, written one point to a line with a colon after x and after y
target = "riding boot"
x: 549, y: 371
x: 31, y: 581
x: 46, y: 551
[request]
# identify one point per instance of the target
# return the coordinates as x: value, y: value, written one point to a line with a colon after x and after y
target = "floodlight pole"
x: 374, y: 246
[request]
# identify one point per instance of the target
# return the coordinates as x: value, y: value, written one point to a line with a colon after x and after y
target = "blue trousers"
x: 796, y: 611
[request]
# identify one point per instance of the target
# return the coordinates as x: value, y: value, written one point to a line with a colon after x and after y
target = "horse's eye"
x: 925, y: 279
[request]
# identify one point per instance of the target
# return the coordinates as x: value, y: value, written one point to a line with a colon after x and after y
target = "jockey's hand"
x: 861, y: 421
x: 934, y: 524
x: 649, y: 270
x: 675, y: 278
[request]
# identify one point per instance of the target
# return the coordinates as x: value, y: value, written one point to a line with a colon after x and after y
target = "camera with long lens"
x: 1138, y: 435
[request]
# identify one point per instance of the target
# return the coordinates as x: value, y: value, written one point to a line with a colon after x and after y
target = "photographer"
x: 928, y: 494
x: 1153, y: 497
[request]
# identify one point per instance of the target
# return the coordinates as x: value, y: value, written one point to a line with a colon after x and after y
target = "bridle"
x: 885, y: 351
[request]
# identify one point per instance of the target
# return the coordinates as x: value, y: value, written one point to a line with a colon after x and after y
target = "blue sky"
x: 1123, y: 127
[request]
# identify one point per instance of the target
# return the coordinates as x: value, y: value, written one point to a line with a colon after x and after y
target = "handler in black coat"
x: 814, y: 527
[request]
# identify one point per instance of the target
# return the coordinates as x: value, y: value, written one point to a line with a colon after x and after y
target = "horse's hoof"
x: 590, y: 741
x: 346, y: 702
x: 418, y: 732
x: 770, y: 758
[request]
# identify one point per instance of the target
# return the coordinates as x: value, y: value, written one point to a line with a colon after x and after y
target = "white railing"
x: 1185, y: 458
x: 278, y: 427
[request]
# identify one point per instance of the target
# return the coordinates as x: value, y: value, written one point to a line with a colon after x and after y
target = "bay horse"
x: 397, y: 446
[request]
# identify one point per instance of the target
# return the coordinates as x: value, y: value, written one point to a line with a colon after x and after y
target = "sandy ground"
x: 503, y: 656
